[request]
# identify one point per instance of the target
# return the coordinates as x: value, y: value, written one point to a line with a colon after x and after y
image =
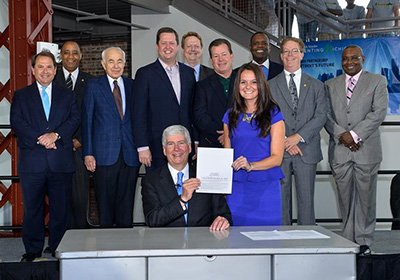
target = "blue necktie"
x: 265, y: 71
x: 179, y: 184
x: 45, y: 102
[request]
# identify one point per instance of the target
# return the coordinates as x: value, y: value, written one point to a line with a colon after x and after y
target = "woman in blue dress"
x: 254, y: 128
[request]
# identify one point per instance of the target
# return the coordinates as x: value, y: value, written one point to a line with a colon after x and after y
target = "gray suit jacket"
x: 364, y: 114
x: 311, y: 113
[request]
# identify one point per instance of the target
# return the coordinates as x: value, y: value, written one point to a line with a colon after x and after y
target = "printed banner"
x: 322, y: 60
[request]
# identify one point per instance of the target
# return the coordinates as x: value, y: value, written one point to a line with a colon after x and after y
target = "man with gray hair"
x: 107, y: 135
x: 169, y: 192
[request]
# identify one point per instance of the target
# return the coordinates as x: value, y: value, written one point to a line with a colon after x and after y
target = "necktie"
x: 68, y: 82
x: 117, y: 97
x: 173, y: 72
x: 265, y: 71
x: 179, y: 185
x: 45, y: 102
x: 350, y: 88
x: 293, y: 92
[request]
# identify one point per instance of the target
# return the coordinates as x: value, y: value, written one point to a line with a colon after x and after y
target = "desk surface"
x: 145, y: 242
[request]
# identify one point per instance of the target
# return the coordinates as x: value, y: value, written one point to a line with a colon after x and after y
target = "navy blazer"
x: 156, y: 106
x: 104, y: 134
x: 79, y: 90
x: 274, y: 69
x: 210, y: 105
x: 28, y: 121
x: 162, y: 208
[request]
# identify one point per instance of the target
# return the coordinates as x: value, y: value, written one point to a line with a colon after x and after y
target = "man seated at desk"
x: 169, y: 192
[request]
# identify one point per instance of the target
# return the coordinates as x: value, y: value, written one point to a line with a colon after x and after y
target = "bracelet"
x: 251, y: 167
x: 180, y: 198
x: 58, y: 135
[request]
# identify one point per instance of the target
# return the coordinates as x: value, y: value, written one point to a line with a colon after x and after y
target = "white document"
x: 214, y: 169
x: 284, y: 235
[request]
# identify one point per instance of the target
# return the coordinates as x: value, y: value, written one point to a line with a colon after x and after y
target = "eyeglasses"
x: 353, y: 58
x: 292, y: 52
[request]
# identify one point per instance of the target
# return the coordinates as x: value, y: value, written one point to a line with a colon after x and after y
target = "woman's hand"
x: 242, y: 163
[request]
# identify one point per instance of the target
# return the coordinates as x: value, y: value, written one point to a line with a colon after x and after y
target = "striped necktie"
x: 68, y: 82
x: 351, y: 84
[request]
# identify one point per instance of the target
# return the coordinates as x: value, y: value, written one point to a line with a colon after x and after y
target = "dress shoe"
x: 30, y: 257
x: 364, y: 251
x: 47, y: 250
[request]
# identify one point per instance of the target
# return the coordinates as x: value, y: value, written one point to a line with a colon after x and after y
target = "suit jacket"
x: 104, y: 134
x: 28, y: 121
x: 156, y: 106
x: 210, y: 105
x: 79, y: 91
x: 364, y: 114
x: 311, y: 113
x: 161, y: 204
x: 205, y: 72
x: 274, y: 69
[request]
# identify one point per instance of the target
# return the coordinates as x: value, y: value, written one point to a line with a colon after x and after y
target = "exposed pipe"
x: 94, y: 16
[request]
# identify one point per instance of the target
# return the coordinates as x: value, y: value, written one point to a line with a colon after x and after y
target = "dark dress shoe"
x: 30, y: 257
x: 47, y: 250
x: 364, y: 251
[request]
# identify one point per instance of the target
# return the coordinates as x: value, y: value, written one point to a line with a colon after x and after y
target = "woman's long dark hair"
x: 264, y: 104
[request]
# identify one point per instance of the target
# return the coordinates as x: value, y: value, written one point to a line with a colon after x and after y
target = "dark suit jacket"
x: 209, y: 108
x: 161, y: 204
x: 274, y: 69
x: 205, y: 72
x: 29, y: 122
x: 79, y: 90
x: 104, y: 134
x: 156, y: 106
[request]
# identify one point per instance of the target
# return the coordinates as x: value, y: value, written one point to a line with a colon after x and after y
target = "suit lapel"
x: 341, y: 90
x: 167, y: 183
x: 165, y: 80
x: 358, y: 91
x: 128, y: 98
x: 284, y: 90
x: 106, y: 91
x: 303, y: 90
x: 218, y: 90
x: 37, y: 103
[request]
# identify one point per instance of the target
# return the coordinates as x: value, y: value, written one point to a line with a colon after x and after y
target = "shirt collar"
x: 265, y: 63
x: 355, y: 77
x: 111, y: 80
x: 74, y: 73
x: 165, y: 65
x: 48, y: 88
x: 174, y: 172
x: 296, y: 73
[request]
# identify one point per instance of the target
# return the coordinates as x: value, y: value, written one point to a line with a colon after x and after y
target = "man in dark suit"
x: 214, y: 95
x: 108, y: 146
x: 303, y: 103
x: 44, y: 117
x: 260, y: 49
x: 163, y: 96
x: 192, y: 46
x: 358, y: 103
x: 169, y: 192
x: 71, y: 77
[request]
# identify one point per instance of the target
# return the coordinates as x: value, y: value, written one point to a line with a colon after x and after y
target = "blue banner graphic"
x: 322, y: 60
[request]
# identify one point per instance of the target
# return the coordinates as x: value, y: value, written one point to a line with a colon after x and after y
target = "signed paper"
x: 214, y: 169
x: 284, y: 235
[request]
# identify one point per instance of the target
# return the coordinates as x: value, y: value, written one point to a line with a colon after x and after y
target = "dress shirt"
x: 174, y: 173
x: 196, y: 72
x: 74, y: 76
x: 174, y: 77
x: 355, y: 136
x: 48, y: 91
x: 121, y: 87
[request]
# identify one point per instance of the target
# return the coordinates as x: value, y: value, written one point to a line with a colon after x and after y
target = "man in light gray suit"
x: 357, y: 106
x: 303, y: 103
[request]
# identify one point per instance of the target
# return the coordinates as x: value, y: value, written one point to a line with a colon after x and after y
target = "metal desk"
x: 197, y: 253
